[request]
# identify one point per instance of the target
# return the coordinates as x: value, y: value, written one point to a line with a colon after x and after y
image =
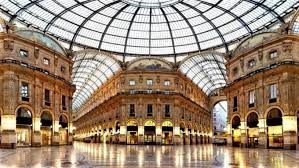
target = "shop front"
x: 167, y: 133
x: 275, y: 128
x: 46, y: 128
x: 24, y: 127
x: 132, y: 133
x: 253, y: 130
x: 236, y: 131
x: 63, y: 130
x: 150, y: 133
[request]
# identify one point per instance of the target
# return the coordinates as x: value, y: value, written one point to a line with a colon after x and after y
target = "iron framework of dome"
x: 149, y: 27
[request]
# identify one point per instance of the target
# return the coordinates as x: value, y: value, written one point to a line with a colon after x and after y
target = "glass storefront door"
x: 132, y: 137
x: 46, y: 136
x: 253, y: 137
x: 63, y: 135
x: 167, y: 137
x: 149, y: 135
x: 23, y: 136
x: 236, y: 137
x: 275, y: 136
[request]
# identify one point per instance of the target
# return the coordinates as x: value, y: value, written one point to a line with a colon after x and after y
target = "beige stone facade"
x: 146, y: 105
x: 262, y: 91
x: 35, y: 90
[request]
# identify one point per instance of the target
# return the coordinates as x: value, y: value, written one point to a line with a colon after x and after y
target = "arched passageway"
x: 236, y: 131
x: 46, y: 128
x: 24, y: 127
x: 253, y: 130
x: 275, y: 128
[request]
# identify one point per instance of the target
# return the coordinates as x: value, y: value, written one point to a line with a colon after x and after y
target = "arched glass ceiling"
x: 90, y: 70
x: 207, y: 70
x: 151, y: 3
x: 295, y: 25
x: 122, y: 27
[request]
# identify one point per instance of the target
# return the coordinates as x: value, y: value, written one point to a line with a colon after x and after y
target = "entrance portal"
x: 132, y: 132
x: 167, y: 132
x: 253, y: 130
x: 236, y: 123
x: 63, y: 130
x: 24, y: 127
x: 150, y: 133
x: 46, y: 128
x: 274, y: 123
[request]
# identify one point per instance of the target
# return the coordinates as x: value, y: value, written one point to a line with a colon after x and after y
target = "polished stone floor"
x: 104, y: 155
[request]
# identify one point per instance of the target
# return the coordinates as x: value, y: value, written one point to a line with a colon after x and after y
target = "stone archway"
x: 24, y: 126
x: 46, y: 127
x: 132, y: 132
x: 150, y: 132
x: 167, y: 132
x: 275, y: 128
x: 253, y: 129
x: 63, y: 129
x: 236, y: 131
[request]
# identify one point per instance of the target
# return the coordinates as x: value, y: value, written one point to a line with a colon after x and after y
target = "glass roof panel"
x: 207, y: 70
x: 295, y: 27
x: 90, y: 70
x: 139, y: 27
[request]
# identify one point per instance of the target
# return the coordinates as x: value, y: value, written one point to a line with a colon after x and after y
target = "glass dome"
x: 151, y: 3
x: 149, y: 27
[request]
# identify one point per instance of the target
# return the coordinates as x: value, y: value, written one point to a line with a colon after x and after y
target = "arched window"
x: 252, y: 120
x: 24, y: 116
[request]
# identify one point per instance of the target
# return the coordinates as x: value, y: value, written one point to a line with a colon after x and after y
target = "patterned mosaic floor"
x: 103, y: 155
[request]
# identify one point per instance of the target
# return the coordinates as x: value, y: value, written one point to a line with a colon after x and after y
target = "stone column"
x: 158, y: 134
x: 55, y: 135
x: 36, y: 136
x: 289, y: 132
x: 263, y: 138
x: 244, y: 140
x: 193, y: 137
x: 141, y: 134
x: 122, y: 134
x: 187, y: 136
x: 229, y: 135
x: 8, y: 126
x: 8, y: 119
x: 177, y: 140
x: 70, y: 134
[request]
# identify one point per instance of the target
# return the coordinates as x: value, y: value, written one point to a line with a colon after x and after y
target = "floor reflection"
x: 104, y: 155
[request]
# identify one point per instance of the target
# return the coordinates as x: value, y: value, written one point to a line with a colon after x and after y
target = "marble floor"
x: 104, y: 155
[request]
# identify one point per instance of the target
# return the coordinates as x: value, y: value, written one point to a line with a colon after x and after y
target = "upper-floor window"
x: 62, y: 68
x: 182, y: 113
x: 235, y: 103
x: 149, y: 110
x: 63, y: 102
x: 132, y: 110
x: 166, y: 83
x: 273, y: 54
x: 167, y: 110
x: 132, y: 91
x: 149, y: 91
x: 149, y: 82
x: 46, y: 61
x: 25, y: 91
x: 24, y: 53
x: 251, y: 96
x: 132, y: 82
x: 251, y: 63
x: 47, y: 97
x: 273, y: 93
x: 235, y: 71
